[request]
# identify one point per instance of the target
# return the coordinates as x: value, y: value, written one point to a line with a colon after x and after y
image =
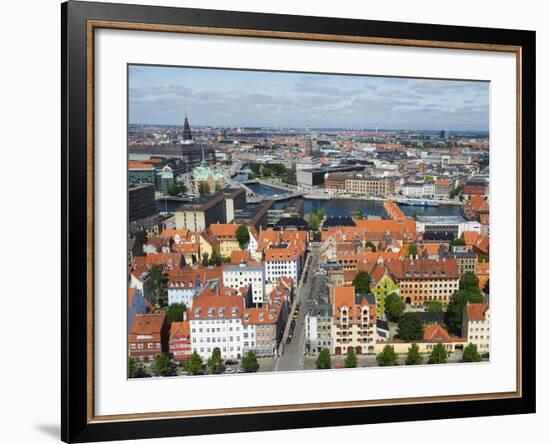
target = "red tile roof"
x: 436, y: 333
x: 210, y: 305
x: 424, y: 269
x: 344, y: 296
x: 146, y: 324
x: 224, y: 231
x: 476, y: 312
x: 179, y: 331
x: 239, y: 256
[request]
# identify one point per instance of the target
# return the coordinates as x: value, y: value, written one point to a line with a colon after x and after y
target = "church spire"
x: 186, y: 130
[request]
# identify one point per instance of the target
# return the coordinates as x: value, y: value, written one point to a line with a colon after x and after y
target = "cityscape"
x: 291, y: 221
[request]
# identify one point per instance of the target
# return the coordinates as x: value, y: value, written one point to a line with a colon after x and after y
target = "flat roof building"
x: 201, y: 213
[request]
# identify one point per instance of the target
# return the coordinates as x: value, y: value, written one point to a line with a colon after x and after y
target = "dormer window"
x: 220, y: 311
x: 210, y: 312
x: 197, y: 312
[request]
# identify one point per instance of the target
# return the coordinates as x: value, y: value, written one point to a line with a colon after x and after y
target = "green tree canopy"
x: 323, y: 360
x: 470, y: 354
x: 387, y: 357
x: 134, y: 369
x: 314, y: 222
x: 361, y: 282
x: 438, y: 355
x: 469, y: 281
x: 243, y: 236
x: 205, y: 260
x: 250, y: 363
x: 321, y: 212
x: 158, y: 283
x: 176, y: 188
x: 215, y: 362
x: 457, y: 243
x: 351, y: 359
x: 410, y: 327
x: 413, y: 356
x: 175, y: 313
x: 370, y: 245
x: 256, y: 168
x: 455, y: 310
x: 394, y: 307
x: 194, y: 364
x: 412, y: 250
x: 163, y: 366
x: 434, y: 306
x: 215, y: 259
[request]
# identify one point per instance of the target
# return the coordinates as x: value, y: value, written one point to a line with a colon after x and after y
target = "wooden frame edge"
x: 92, y: 25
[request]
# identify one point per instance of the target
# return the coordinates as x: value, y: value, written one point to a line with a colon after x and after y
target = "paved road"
x: 292, y: 355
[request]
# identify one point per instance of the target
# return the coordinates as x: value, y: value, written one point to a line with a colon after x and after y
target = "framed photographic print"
x: 276, y: 221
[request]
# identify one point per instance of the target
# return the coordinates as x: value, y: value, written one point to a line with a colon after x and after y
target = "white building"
x: 281, y: 262
x: 431, y: 226
x: 419, y: 189
x: 181, y: 292
x: 476, y: 326
x: 244, y: 275
x: 252, y: 246
x: 216, y: 321
x: 318, y: 322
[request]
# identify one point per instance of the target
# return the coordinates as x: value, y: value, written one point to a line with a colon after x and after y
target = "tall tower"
x: 186, y: 130
x: 309, y: 143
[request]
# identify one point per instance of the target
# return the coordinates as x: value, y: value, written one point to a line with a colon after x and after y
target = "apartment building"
x: 244, y: 275
x: 476, y: 326
x: 283, y: 260
x: 371, y: 185
x: 216, y: 321
x: 147, y: 337
x: 424, y: 280
x: 179, y: 342
x: 354, y: 322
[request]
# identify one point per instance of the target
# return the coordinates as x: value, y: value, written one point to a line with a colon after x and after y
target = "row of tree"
x: 389, y: 357
x: 164, y: 366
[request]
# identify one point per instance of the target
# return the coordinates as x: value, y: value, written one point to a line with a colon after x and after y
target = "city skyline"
x: 242, y: 98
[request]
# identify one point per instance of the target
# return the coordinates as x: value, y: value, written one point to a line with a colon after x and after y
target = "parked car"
x: 289, y: 340
x: 230, y: 370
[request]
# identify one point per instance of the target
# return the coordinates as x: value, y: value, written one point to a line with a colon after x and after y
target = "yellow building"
x: 226, y: 238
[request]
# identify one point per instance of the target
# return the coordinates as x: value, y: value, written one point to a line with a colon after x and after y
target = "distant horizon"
x: 248, y: 127
x: 231, y: 98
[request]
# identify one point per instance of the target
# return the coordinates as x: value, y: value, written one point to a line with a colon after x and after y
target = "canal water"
x: 346, y: 207
x: 337, y: 207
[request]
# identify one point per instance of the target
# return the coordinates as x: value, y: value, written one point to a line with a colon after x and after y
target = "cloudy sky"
x: 220, y: 97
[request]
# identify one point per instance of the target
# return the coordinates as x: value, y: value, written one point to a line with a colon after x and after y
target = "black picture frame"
x: 76, y: 425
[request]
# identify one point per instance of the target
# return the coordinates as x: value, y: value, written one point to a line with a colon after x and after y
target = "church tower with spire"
x: 186, y: 130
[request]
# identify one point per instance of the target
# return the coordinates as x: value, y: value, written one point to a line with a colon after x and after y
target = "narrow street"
x: 292, y: 355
